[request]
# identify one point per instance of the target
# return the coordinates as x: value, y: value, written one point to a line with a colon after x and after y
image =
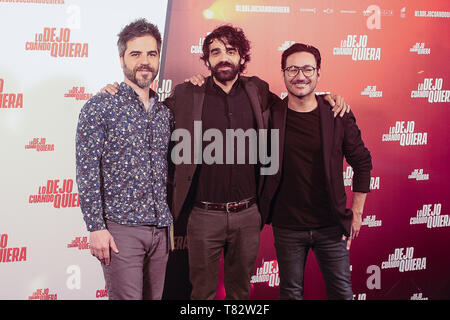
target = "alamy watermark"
x: 213, y: 153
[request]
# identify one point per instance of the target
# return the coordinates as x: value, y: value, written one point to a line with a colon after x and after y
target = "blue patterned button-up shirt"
x: 121, y: 160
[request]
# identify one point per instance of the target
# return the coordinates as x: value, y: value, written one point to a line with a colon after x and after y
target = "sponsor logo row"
x: 15, y: 100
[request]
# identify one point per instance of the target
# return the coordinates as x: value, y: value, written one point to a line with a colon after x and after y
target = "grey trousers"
x: 237, y: 234
x: 138, y: 271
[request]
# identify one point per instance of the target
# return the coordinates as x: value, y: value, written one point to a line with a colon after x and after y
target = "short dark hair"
x: 235, y: 38
x: 136, y: 29
x: 301, y: 47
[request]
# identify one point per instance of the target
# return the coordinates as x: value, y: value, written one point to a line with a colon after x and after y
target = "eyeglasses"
x: 293, y: 71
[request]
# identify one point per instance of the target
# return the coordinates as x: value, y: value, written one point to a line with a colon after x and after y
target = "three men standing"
x: 122, y: 149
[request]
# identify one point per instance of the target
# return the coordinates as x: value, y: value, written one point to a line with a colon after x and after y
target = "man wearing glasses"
x: 306, y: 200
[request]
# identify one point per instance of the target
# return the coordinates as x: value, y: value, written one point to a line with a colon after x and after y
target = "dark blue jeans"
x: 330, y: 250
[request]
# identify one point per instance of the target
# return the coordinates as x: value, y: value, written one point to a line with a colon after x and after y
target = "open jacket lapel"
x: 199, y: 97
x: 279, y: 122
x: 252, y: 92
x: 327, y: 129
x: 255, y: 101
x: 197, y: 110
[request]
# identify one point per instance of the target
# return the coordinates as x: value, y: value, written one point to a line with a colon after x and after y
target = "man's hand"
x: 112, y: 89
x: 100, y: 242
x: 339, y: 105
x: 196, y: 80
x: 359, y: 198
x: 356, y: 226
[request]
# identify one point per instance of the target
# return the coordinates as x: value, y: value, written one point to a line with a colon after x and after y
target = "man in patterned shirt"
x: 121, y: 161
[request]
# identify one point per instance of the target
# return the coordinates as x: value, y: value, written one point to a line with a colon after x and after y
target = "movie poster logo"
x: 372, y: 92
x: 371, y: 221
x: 403, y: 260
x: 79, y: 242
x: 198, y: 48
x: 59, y: 193
x: 11, y: 254
x: 418, y: 296
x: 267, y: 273
x: 356, y: 47
x: 39, y: 145
x: 43, y: 294
x: 420, y: 48
x: 58, y: 43
x: 360, y: 296
x: 163, y: 88
x: 431, y: 89
x: 101, y: 293
x: 285, y: 45
x: 403, y: 132
x: 348, y: 179
x: 10, y: 100
x: 418, y: 175
x: 430, y: 215
x: 79, y: 93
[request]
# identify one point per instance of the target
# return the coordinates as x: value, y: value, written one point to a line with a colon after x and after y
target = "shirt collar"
x: 213, y: 87
x: 130, y: 91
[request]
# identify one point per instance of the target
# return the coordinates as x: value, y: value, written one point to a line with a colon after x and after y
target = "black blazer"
x: 186, y: 103
x: 340, y: 137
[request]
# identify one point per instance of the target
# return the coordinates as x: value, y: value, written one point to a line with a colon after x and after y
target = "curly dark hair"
x: 301, y: 47
x: 235, y: 37
x: 138, y: 28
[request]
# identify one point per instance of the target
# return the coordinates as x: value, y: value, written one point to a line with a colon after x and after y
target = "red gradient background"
x: 396, y: 74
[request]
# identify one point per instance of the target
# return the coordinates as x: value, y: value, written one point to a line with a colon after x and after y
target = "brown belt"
x: 227, y: 206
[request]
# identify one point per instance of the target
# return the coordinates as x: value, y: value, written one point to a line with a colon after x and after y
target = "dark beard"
x: 131, y: 75
x: 224, y: 76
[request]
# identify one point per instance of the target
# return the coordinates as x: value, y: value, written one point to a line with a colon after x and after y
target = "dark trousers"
x: 331, y: 254
x: 237, y: 234
x: 138, y: 271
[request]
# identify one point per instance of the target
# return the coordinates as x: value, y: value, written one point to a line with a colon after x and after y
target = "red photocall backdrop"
x: 379, y: 56
x: 388, y: 59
